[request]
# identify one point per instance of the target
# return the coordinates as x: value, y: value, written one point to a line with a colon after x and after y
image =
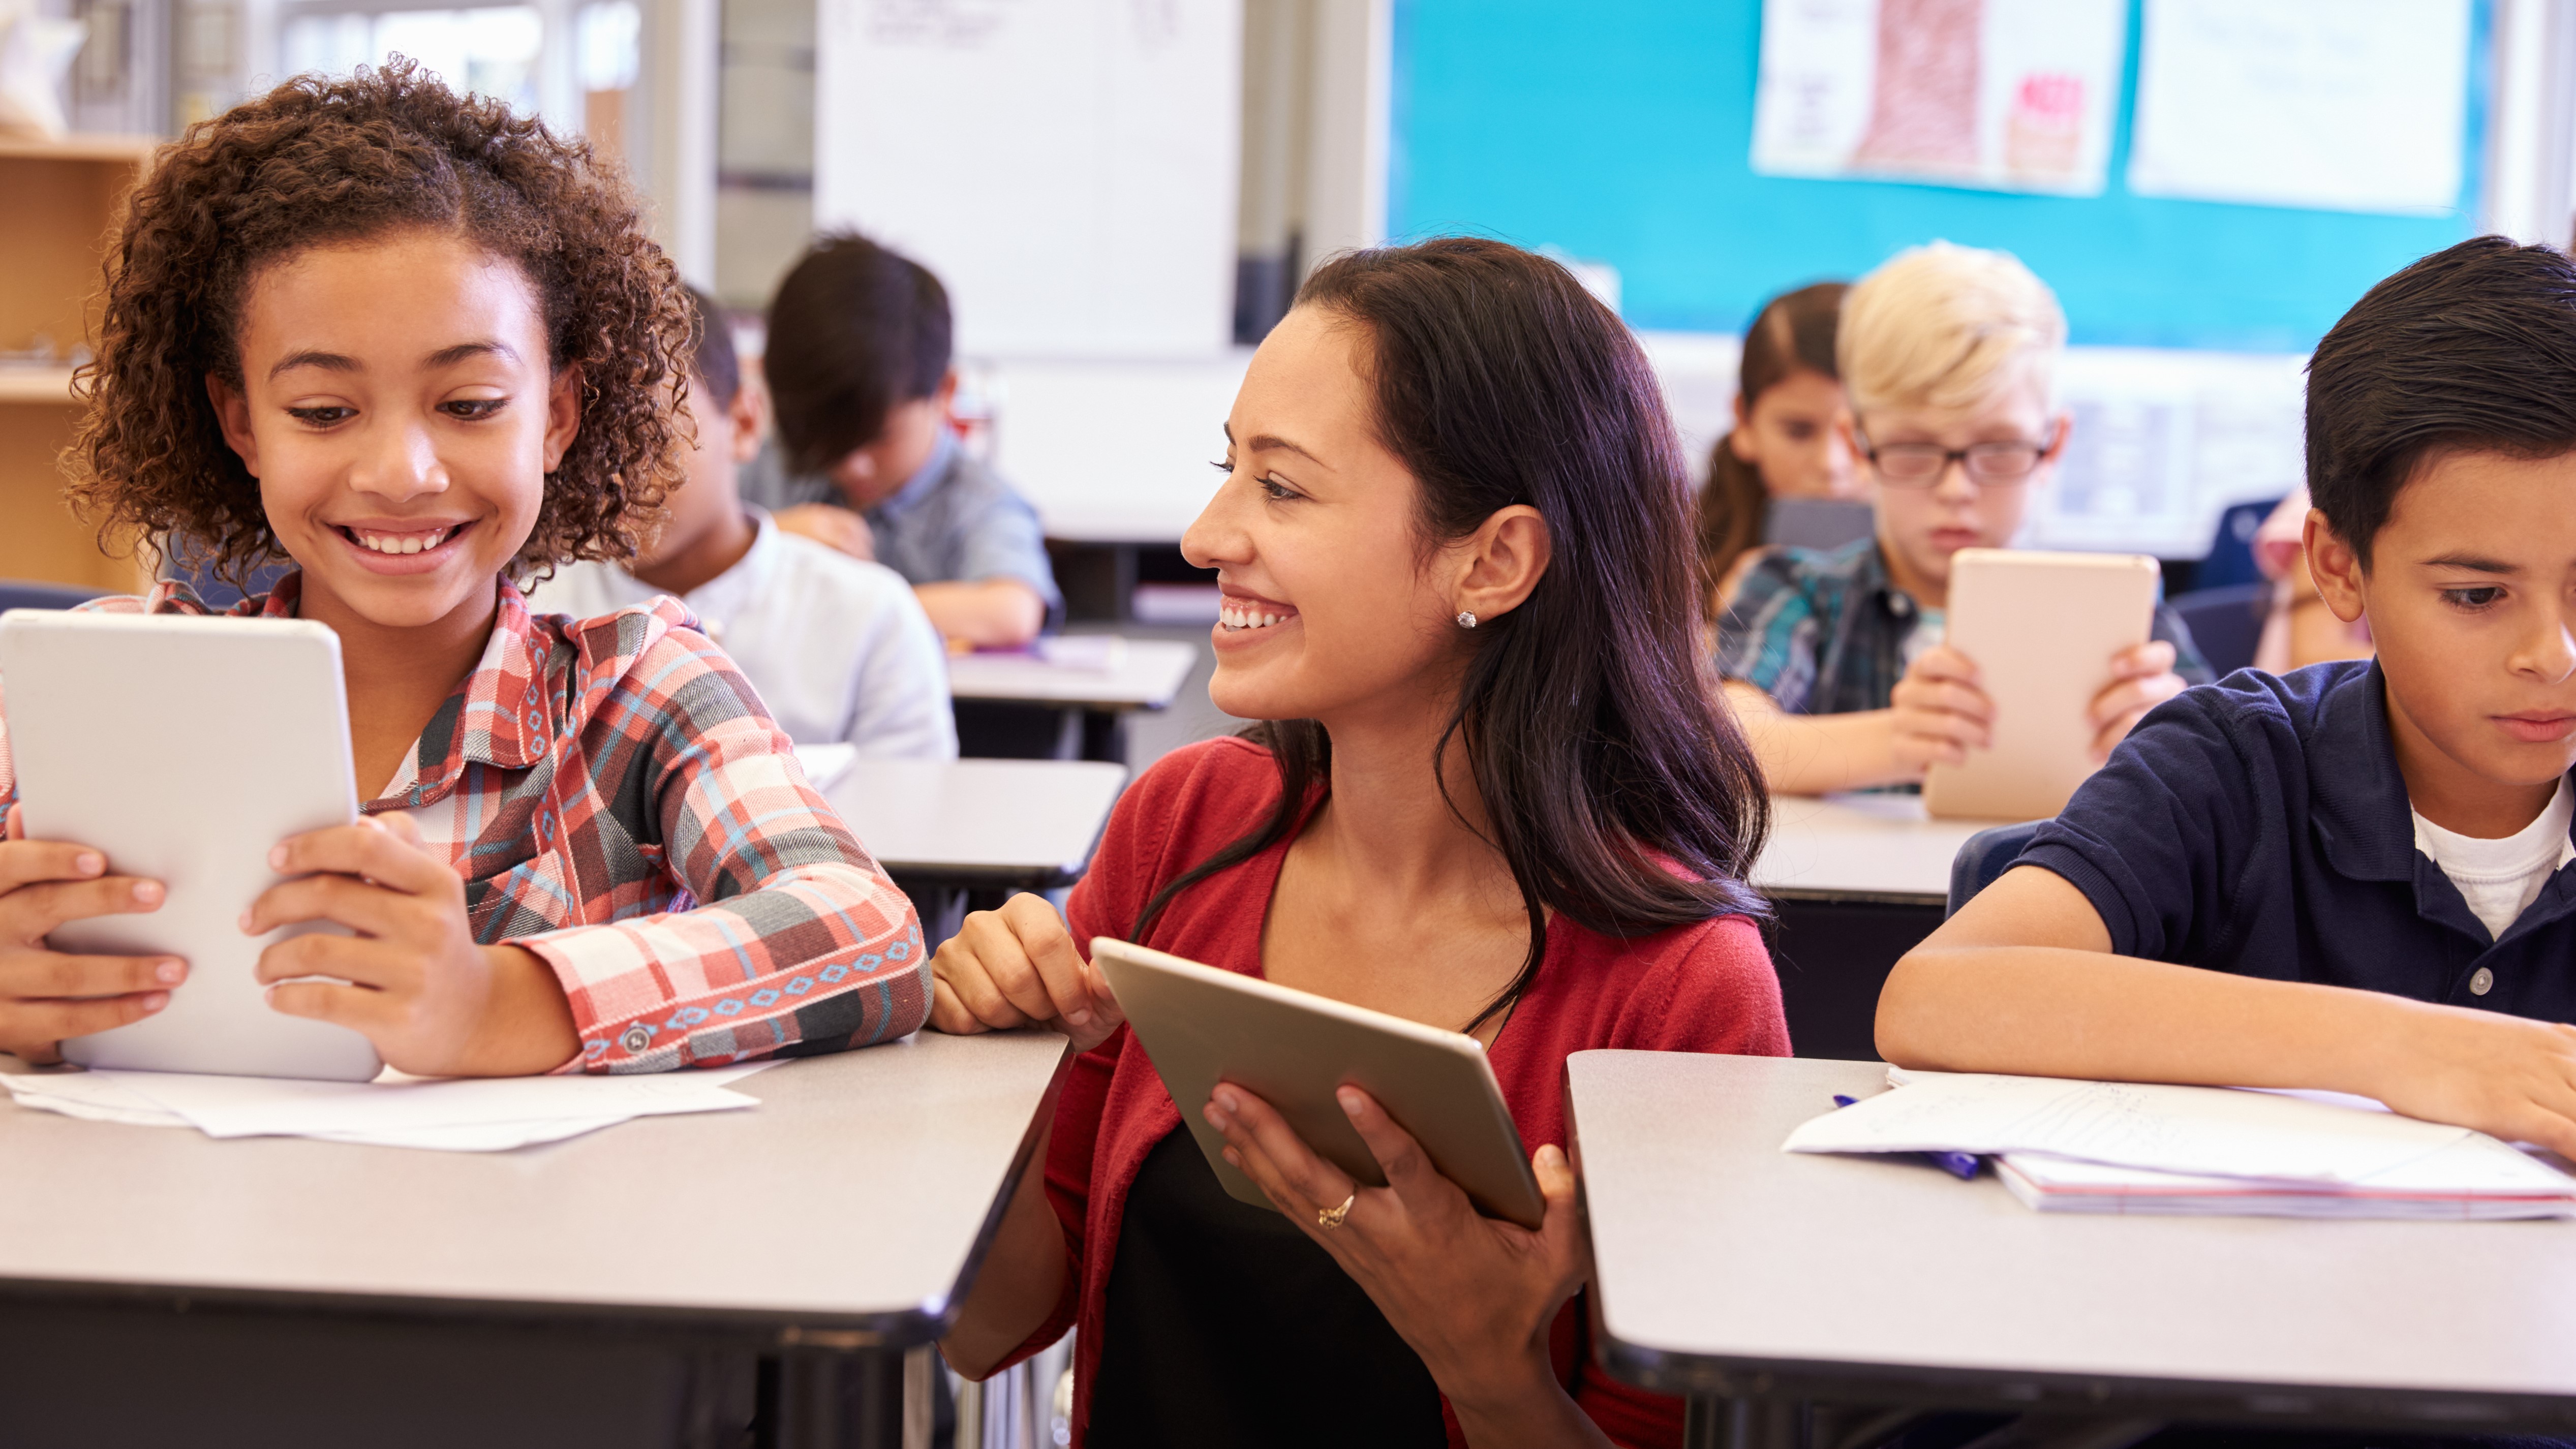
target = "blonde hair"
x: 1942, y: 326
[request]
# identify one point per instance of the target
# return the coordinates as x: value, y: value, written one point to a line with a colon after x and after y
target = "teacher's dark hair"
x: 1621, y: 795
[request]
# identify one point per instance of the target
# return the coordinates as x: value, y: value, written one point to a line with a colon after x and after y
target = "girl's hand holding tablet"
x: 412, y: 980
x: 1463, y: 1290
x: 47, y: 995
x: 1018, y: 967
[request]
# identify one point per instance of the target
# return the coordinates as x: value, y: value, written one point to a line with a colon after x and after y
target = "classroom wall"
x: 1620, y: 131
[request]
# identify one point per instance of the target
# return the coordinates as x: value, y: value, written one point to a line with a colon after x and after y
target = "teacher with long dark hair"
x: 1455, y: 550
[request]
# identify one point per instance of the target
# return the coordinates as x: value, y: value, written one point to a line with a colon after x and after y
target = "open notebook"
x: 2124, y: 1147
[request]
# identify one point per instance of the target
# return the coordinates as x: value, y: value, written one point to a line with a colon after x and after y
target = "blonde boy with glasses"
x: 1834, y: 659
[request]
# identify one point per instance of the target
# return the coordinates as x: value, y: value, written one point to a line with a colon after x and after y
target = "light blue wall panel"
x: 1619, y: 130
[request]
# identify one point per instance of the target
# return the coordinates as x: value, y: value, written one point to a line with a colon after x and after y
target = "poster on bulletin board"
x: 1998, y: 95
x: 2352, y: 106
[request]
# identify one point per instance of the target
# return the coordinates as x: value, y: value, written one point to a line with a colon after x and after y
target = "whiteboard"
x: 1068, y: 167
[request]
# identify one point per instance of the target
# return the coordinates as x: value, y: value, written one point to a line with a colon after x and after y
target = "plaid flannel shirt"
x: 620, y: 804
x: 1823, y: 631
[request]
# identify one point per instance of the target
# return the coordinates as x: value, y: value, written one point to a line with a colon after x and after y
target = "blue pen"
x: 1961, y: 1165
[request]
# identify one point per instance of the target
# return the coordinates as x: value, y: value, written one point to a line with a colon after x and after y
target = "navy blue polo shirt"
x: 2258, y: 825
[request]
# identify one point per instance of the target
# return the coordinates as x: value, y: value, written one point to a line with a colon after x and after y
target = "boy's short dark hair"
x: 2470, y: 349
x: 713, y: 358
x: 854, y: 330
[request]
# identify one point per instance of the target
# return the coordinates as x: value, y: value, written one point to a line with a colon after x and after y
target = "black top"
x: 2259, y: 826
x: 1226, y: 1325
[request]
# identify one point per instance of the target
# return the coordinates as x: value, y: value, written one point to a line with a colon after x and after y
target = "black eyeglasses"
x: 1988, y: 465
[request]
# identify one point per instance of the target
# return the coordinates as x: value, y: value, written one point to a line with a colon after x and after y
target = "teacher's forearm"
x: 1531, y: 1411
x: 1020, y: 1284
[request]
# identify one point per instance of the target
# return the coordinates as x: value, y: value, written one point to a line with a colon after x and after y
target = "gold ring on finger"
x: 1331, y: 1217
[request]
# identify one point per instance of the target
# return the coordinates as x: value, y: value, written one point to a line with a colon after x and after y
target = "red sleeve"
x: 1136, y: 847
x: 1720, y: 995
x: 1124, y: 872
x: 1068, y: 1180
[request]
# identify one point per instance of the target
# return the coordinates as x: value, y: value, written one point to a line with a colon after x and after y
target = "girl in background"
x: 1785, y: 442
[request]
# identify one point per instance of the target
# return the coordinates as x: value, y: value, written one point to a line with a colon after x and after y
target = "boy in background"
x: 839, y: 649
x: 2352, y: 876
x: 1834, y: 660
x: 857, y: 363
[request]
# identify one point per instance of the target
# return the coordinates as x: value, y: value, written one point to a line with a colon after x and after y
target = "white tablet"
x: 2042, y: 629
x: 184, y: 749
x: 1294, y: 1050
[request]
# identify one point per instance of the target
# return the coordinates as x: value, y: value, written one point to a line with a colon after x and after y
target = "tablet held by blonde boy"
x: 1836, y: 660
x: 2353, y: 876
x: 422, y: 349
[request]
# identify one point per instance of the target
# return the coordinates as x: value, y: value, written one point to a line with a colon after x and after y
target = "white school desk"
x: 1854, y: 881
x: 995, y: 694
x: 829, y: 1229
x: 1860, y: 848
x: 1727, y: 1270
x: 1139, y: 674
x: 982, y: 824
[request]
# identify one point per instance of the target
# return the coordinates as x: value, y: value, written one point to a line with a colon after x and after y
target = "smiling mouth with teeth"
x: 400, y: 543
x: 1238, y: 620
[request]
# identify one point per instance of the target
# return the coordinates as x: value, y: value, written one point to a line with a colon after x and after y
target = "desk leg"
x: 830, y: 1401
x: 1713, y: 1423
x: 1104, y: 735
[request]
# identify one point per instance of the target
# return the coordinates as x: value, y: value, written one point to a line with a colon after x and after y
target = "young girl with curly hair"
x: 422, y: 349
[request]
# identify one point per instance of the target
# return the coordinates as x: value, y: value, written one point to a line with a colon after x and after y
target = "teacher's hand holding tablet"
x: 412, y: 979
x: 1018, y: 967
x: 47, y: 995
x: 1461, y: 1288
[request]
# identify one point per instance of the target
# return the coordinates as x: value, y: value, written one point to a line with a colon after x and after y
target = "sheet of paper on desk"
x: 2205, y: 1131
x: 481, y: 1115
x: 825, y: 764
x: 1101, y: 652
x: 2478, y: 1179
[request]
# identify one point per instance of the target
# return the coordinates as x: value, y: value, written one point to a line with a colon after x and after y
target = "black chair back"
x: 2231, y: 552
x: 2226, y: 623
x: 1986, y: 856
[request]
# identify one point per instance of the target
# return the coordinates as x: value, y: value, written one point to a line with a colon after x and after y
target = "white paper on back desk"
x: 453, y: 1115
x: 2125, y: 1147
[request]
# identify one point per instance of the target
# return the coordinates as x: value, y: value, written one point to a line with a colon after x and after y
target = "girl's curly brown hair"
x: 317, y: 162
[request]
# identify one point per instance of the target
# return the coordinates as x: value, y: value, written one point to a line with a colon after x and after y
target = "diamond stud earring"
x: 1466, y: 620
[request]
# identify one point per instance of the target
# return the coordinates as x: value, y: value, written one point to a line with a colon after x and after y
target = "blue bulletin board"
x: 1620, y: 131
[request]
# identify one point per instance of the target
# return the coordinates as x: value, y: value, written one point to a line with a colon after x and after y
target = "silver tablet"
x: 1293, y: 1049
x: 184, y: 748
x: 2042, y: 629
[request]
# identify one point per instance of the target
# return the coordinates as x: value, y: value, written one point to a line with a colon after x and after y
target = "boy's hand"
x: 2507, y: 1076
x: 412, y: 980
x: 830, y: 526
x: 1939, y: 713
x: 47, y: 995
x: 2141, y: 679
x: 1018, y: 967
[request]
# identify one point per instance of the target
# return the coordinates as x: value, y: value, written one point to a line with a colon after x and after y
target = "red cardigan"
x: 1705, y: 988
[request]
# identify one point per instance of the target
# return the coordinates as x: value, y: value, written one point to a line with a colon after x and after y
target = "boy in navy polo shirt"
x: 2368, y: 857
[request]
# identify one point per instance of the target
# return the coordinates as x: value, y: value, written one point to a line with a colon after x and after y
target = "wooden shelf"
x: 36, y: 385
x: 133, y: 150
x: 62, y: 200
